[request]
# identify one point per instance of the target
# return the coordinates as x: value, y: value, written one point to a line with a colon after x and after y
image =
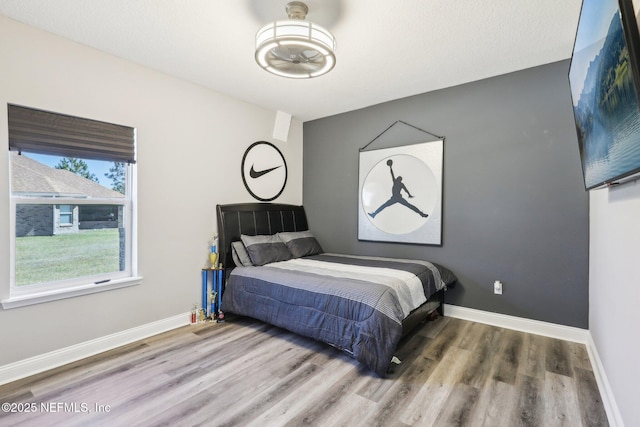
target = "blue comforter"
x: 356, y: 304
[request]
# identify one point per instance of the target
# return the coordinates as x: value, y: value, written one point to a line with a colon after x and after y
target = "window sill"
x: 42, y: 297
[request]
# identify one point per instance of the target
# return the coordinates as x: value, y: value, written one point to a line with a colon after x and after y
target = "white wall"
x: 190, y: 145
x: 614, y: 291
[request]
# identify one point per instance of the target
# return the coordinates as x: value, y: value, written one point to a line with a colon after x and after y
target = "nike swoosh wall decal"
x: 257, y: 174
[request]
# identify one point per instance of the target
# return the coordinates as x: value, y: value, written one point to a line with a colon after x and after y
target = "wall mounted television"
x: 604, y: 77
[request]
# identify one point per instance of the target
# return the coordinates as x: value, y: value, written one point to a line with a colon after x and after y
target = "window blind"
x: 44, y: 132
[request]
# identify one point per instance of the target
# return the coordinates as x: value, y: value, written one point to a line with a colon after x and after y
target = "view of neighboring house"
x: 32, y: 178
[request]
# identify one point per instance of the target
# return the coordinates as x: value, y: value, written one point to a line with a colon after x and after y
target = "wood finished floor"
x: 246, y: 373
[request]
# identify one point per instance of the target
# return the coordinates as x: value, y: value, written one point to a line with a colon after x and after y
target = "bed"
x: 276, y: 272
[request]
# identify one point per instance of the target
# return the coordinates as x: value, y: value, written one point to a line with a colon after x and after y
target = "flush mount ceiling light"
x: 295, y: 48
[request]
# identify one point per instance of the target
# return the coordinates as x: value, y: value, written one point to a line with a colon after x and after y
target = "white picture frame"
x: 400, y: 194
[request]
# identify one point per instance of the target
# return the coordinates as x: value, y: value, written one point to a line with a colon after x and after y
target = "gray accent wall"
x: 514, y: 204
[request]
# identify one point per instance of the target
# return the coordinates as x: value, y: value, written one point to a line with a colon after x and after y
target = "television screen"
x: 604, y: 94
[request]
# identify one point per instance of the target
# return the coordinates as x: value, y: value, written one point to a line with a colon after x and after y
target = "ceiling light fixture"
x: 295, y: 48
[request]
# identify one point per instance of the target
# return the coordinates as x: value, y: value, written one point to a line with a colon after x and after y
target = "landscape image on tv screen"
x: 604, y: 97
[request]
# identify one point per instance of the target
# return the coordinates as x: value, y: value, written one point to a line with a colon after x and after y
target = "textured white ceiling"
x: 386, y: 49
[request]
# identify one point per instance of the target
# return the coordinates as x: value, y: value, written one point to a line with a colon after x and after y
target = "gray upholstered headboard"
x: 254, y: 219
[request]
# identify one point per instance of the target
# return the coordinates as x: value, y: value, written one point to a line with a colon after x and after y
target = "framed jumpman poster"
x: 400, y: 194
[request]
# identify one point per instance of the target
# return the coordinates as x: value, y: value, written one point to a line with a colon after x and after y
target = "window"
x: 66, y: 215
x: 72, y: 203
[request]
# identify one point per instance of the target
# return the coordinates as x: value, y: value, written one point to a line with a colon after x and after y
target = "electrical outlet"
x: 497, y: 287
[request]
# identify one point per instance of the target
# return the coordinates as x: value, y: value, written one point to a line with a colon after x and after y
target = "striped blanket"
x: 354, y: 303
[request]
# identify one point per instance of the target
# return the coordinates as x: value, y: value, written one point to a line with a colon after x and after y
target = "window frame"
x: 55, y: 290
x: 65, y: 214
x: 20, y: 296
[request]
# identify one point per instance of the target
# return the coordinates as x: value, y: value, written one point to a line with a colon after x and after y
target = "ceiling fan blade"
x: 310, y: 66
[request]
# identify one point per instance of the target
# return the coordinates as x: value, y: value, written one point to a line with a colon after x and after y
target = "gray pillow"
x: 301, y: 243
x: 265, y: 249
x: 240, y: 255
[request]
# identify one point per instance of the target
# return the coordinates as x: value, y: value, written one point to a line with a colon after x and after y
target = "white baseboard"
x: 552, y: 330
x: 613, y: 413
x: 56, y: 358
x: 537, y: 327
